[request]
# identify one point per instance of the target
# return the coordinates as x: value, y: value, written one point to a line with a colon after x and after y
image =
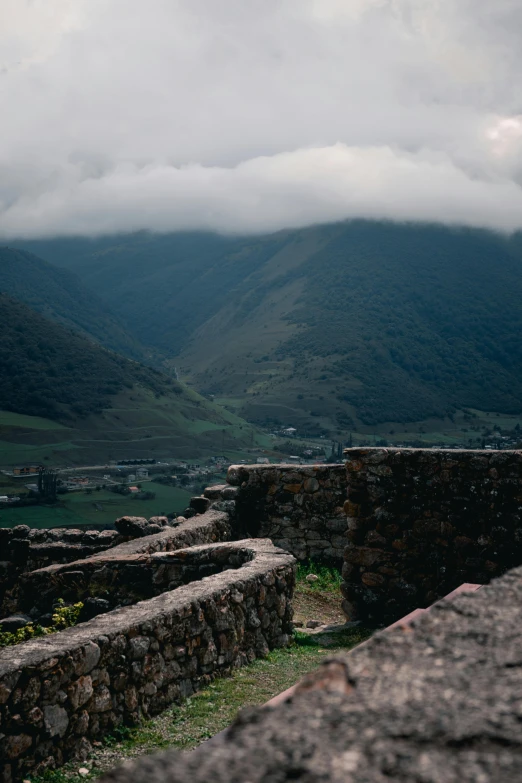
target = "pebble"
x: 312, y: 578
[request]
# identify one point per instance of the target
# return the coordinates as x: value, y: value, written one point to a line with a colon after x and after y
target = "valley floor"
x: 99, y: 508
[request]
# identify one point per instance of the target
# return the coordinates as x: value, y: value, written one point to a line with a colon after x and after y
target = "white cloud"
x: 121, y: 115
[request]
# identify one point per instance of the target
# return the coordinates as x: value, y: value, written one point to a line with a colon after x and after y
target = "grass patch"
x: 10, y: 419
x: 328, y: 579
x: 103, y: 507
x: 320, y: 599
x: 211, y: 710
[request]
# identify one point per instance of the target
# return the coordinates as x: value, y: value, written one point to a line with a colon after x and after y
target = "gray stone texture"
x: 24, y: 549
x: 299, y: 507
x: 60, y: 692
x: 422, y: 522
x: 439, y: 703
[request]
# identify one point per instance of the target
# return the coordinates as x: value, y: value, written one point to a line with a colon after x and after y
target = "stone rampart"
x: 60, y: 692
x: 421, y: 522
x: 24, y: 549
x: 119, y: 578
x: 299, y: 507
x: 206, y: 528
x: 81, y: 550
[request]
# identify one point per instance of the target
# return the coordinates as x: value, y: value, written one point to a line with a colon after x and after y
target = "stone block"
x: 16, y: 745
x: 56, y: 720
x: 131, y: 526
x: 80, y: 691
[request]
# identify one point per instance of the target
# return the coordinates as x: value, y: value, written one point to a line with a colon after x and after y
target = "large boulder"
x: 136, y: 527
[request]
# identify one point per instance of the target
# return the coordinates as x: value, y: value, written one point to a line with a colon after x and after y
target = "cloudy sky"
x: 255, y: 115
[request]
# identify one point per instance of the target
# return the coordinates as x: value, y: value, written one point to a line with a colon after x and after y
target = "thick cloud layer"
x: 254, y: 116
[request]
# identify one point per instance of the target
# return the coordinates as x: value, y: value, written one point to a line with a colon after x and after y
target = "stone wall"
x: 108, y: 578
x: 206, y: 528
x: 24, y: 549
x: 299, y: 507
x: 422, y: 522
x: 110, y: 582
x: 60, y: 692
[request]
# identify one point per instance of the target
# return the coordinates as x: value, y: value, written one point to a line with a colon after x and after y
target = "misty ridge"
x: 309, y: 212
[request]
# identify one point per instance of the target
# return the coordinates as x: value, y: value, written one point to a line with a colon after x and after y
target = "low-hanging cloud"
x: 251, y: 117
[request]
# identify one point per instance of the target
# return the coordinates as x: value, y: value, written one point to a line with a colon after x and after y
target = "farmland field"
x: 80, y: 508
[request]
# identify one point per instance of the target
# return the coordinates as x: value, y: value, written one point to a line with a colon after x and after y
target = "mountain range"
x: 65, y: 398
x: 326, y: 328
x: 60, y: 295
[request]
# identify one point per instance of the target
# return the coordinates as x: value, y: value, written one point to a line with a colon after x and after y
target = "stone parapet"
x: 212, y: 526
x: 299, y: 507
x: 421, y: 522
x: 24, y: 549
x: 127, y: 574
x: 60, y: 692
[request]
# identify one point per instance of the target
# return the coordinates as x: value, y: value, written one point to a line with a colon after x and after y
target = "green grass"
x: 80, y: 508
x: 139, y: 425
x: 329, y: 579
x: 27, y: 453
x: 9, y: 419
x: 211, y: 710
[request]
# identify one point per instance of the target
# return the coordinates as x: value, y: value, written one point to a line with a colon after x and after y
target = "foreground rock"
x: 436, y: 704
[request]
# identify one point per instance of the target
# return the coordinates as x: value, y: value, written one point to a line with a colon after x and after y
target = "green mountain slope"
x: 65, y: 398
x: 60, y: 295
x: 318, y: 328
x: 162, y: 287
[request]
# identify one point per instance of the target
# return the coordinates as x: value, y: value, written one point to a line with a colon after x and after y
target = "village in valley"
x: 70, y: 495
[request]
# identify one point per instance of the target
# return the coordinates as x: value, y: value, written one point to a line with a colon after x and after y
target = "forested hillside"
x: 47, y: 370
x: 65, y: 398
x: 60, y: 295
x: 323, y: 327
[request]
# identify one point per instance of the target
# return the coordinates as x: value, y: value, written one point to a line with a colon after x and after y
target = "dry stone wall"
x: 23, y: 549
x: 109, y: 578
x: 422, y: 522
x: 60, y: 692
x: 110, y: 582
x: 299, y: 507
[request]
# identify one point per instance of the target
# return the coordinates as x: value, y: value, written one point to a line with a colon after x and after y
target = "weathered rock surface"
x: 299, y: 507
x: 439, y: 703
x: 421, y: 522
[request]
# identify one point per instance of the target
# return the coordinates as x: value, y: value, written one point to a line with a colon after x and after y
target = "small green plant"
x: 119, y: 734
x: 66, y: 616
x: 63, y: 617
